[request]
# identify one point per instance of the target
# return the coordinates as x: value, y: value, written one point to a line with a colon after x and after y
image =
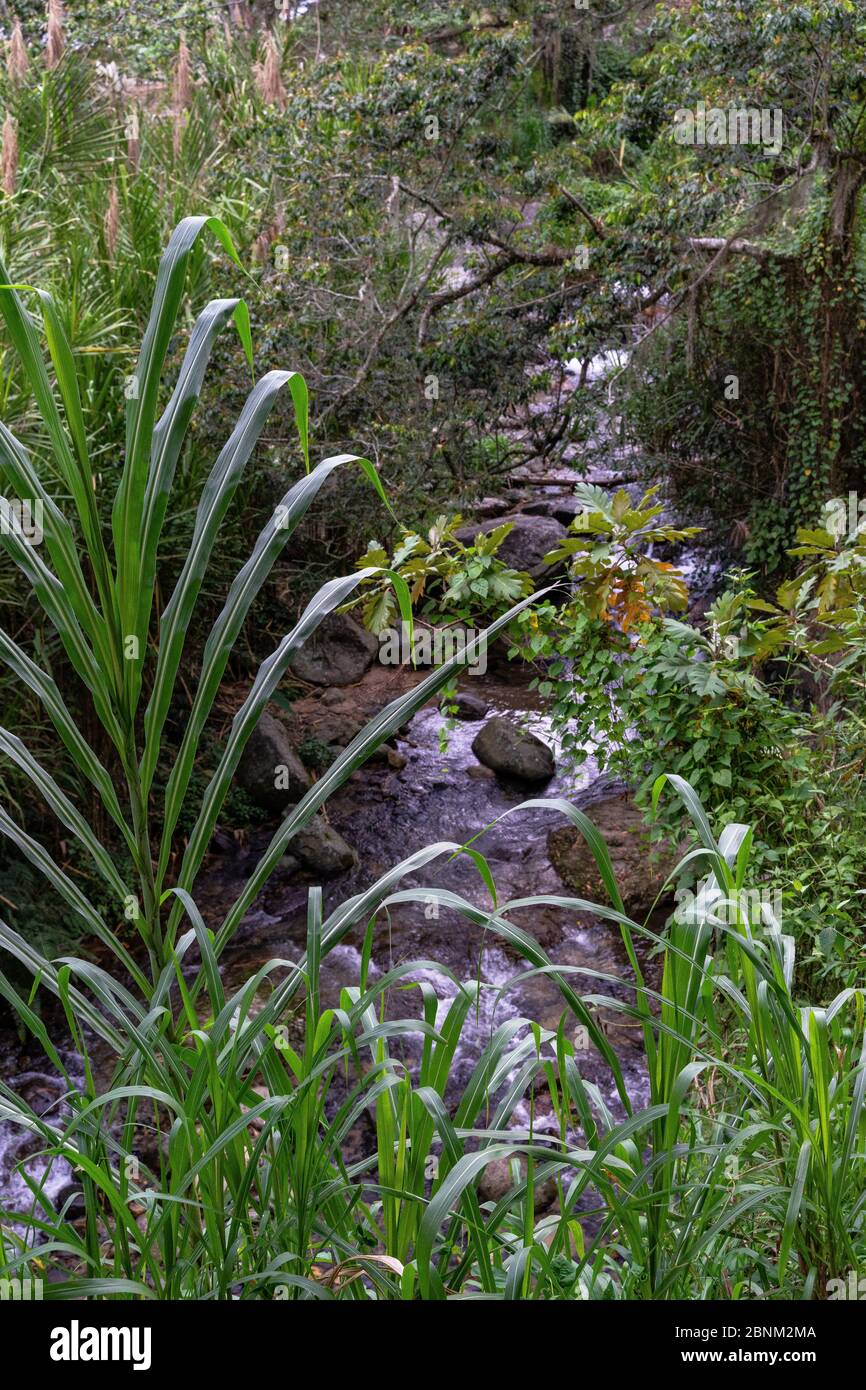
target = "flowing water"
x: 441, y: 794
x: 387, y: 815
x: 438, y: 796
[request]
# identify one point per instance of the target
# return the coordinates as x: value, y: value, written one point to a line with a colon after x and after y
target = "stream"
x: 441, y: 796
x: 386, y: 814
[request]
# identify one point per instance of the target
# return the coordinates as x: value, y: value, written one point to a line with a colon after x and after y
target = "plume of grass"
x: 111, y: 223
x: 268, y: 77
x: 241, y: 15
x: 16, y: 55
x: 266, y: 238
x: 133, y: 139
x: 181, y: 93
x: 55, y: 42
x: 9, y: 156
x: 181, y: 81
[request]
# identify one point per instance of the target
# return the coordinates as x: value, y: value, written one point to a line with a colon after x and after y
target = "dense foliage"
x: 251, y: 1195
x: 444, y: 249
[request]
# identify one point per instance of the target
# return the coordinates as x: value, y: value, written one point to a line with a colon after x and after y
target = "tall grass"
x: 742, y: 1176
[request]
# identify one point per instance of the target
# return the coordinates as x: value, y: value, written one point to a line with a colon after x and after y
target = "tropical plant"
x: 445, y: 575
x: 723, y: 703
x: 610, y: 553
x: 104, y: 613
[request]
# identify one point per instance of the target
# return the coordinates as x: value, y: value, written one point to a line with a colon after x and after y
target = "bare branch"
x: 734, y: 246
x: 597, y: 226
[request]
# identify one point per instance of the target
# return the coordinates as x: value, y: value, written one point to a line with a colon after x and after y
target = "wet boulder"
x: 526, y: 545
x: 563, y: 507
x: 386, y: 756
x: 497, y: 1180
x: 490, y: 506
x: 335, y: 728
x: 339, y: 652
x: 270, y: 771
x: 513, y: 752
x: 71, y: 1201
x: 481, y: 774
x: 466, y: 707
x: 321, y: 849
x: 641, y: 869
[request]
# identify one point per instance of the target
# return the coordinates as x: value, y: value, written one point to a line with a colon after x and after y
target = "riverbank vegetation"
x: 362, y: 291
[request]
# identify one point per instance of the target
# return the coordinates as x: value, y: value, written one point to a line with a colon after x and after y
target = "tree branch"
x: 735, y: 246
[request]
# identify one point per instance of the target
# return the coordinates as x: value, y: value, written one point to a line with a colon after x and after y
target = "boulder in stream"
x: 478, y: 773
x: 462, y: 705
x: 339, y: 652
x: 640, y: 868
x: 270, y: 771
x: 497, y: 1180
x: 563, y: 507
x: 322, y: 850
x: 513, y: 752
x: 335, y: 728
x: 529, y: 541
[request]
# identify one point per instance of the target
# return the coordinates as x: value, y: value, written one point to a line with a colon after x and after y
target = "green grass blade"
x: 219, y: 644
x: 329, y: 597
x: 215, y: 499
x: 63, y: 808
x: 45, y: 688
x: 142, y: 404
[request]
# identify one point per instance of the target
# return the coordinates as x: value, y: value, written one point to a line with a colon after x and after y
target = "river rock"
x: 497, y: 1180
x: 640, y: 869
x: 526, y: 545
x: 563, y: 507
x: 73, y: 1194
x: 322, y: 850
x: 490, y: 506
x: 513, y: 752
x: 270, y: 771
x: 386, y: 756
x: 466, y: 707
x: 339, y: 652
x: 478, y: 773
x: 332, y: 698
x: 337, y: 727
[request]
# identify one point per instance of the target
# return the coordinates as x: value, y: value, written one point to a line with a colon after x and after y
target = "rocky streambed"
x: 418, y: 792
x: 429, y: 793
x: 440, y: 779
